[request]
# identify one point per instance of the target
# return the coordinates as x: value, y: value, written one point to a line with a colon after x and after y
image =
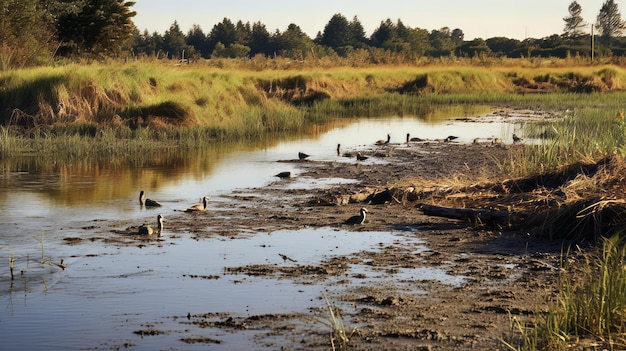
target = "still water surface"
x: 107, y: 291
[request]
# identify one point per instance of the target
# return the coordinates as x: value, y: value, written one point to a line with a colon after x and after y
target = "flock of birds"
x: 149, y: 230
x: 199, y: 207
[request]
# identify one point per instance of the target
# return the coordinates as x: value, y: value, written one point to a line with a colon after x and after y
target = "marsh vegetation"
x: 120, y: 113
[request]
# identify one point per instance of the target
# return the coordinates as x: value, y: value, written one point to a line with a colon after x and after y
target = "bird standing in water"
x: 338, y: 149
x: 357, y: 219
x: 302, y: 155
x: 147, y: 202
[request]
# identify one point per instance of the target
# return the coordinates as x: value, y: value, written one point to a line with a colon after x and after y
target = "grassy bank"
x: 130, y: 106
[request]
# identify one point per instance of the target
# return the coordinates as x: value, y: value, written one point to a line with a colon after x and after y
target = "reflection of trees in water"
x: 69, y: 180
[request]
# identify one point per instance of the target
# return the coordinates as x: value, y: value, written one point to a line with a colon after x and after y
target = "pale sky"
x: 477, y: 18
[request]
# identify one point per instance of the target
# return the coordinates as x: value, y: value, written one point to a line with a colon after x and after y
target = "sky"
x: 476, y: 18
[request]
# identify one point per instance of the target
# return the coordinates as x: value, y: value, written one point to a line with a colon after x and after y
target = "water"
x: 108, y: 291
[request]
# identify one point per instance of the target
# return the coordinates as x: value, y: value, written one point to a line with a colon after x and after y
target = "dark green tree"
x: 574, y: 23
x: 357, y: 34
x: 457, y: 36
x: 174, y: 43
x: 441, y: 41
x: 223, y: 32
x: 260, y: 42
x: 609, y: 22
x: 96, y: 27
x: 146, y: 43
x: 293, y: 42
x: 336, y: 32
x: 503, y: 46
x: 473, y: 48
x: 198, y: 40
x: 384, y: 32
x: 243, y: 33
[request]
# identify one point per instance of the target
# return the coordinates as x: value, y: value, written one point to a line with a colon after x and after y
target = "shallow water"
x: 107, y: 292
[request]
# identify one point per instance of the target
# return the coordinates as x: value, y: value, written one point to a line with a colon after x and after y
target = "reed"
x: 591, y: 305
x: 339, y: 338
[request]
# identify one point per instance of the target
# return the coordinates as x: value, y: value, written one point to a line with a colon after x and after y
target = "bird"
x: 357, y: 219
x: 199, y: 206
x: 450, y: 138
x: 516, y: 138
x: 408, y: 138
x: 148, y: 230
x: 286, y: 258
x: 302, y: 155
x: 360, y: 157
x: 283, y: 175
x: 338, y: 149
x: 147, y: 202
x: 383, y: 142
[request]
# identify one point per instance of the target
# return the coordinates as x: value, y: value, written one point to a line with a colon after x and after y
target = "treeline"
x: 36, y: 32
x: 346, y: 38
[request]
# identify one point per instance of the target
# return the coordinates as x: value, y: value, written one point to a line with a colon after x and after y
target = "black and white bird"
x: 450, y: 138
x: 359, y: 219
x: 148, y: 230
x: 516, y: 139
x: 302, y: 155
x: 147, y: 202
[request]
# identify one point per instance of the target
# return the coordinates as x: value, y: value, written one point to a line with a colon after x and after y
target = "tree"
x: 198, y: 40
x: 223, y: 32
x: 574, y: 23
x: 174, y: 41
x: 357, y: 34
x: 97, y: 28
x: 441, y: 41
x: 26, y: 33
x: 609, y: 22
x: 336, y: 33
x: 384, y: 32
x: 293, y: 42
x: 260, y: 40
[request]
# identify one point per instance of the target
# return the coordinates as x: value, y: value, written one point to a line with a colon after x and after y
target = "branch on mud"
x: 474, y: 216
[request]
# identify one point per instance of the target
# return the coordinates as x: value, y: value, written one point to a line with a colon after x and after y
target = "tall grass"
x: 591, y: 305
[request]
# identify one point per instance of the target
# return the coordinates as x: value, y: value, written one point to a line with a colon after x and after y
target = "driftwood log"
x: 474, y: 216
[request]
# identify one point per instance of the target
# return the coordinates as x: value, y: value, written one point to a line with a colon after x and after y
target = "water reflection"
x: 37, y: 195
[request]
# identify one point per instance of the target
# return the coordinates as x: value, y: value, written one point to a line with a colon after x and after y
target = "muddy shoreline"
x: 506, y: 275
